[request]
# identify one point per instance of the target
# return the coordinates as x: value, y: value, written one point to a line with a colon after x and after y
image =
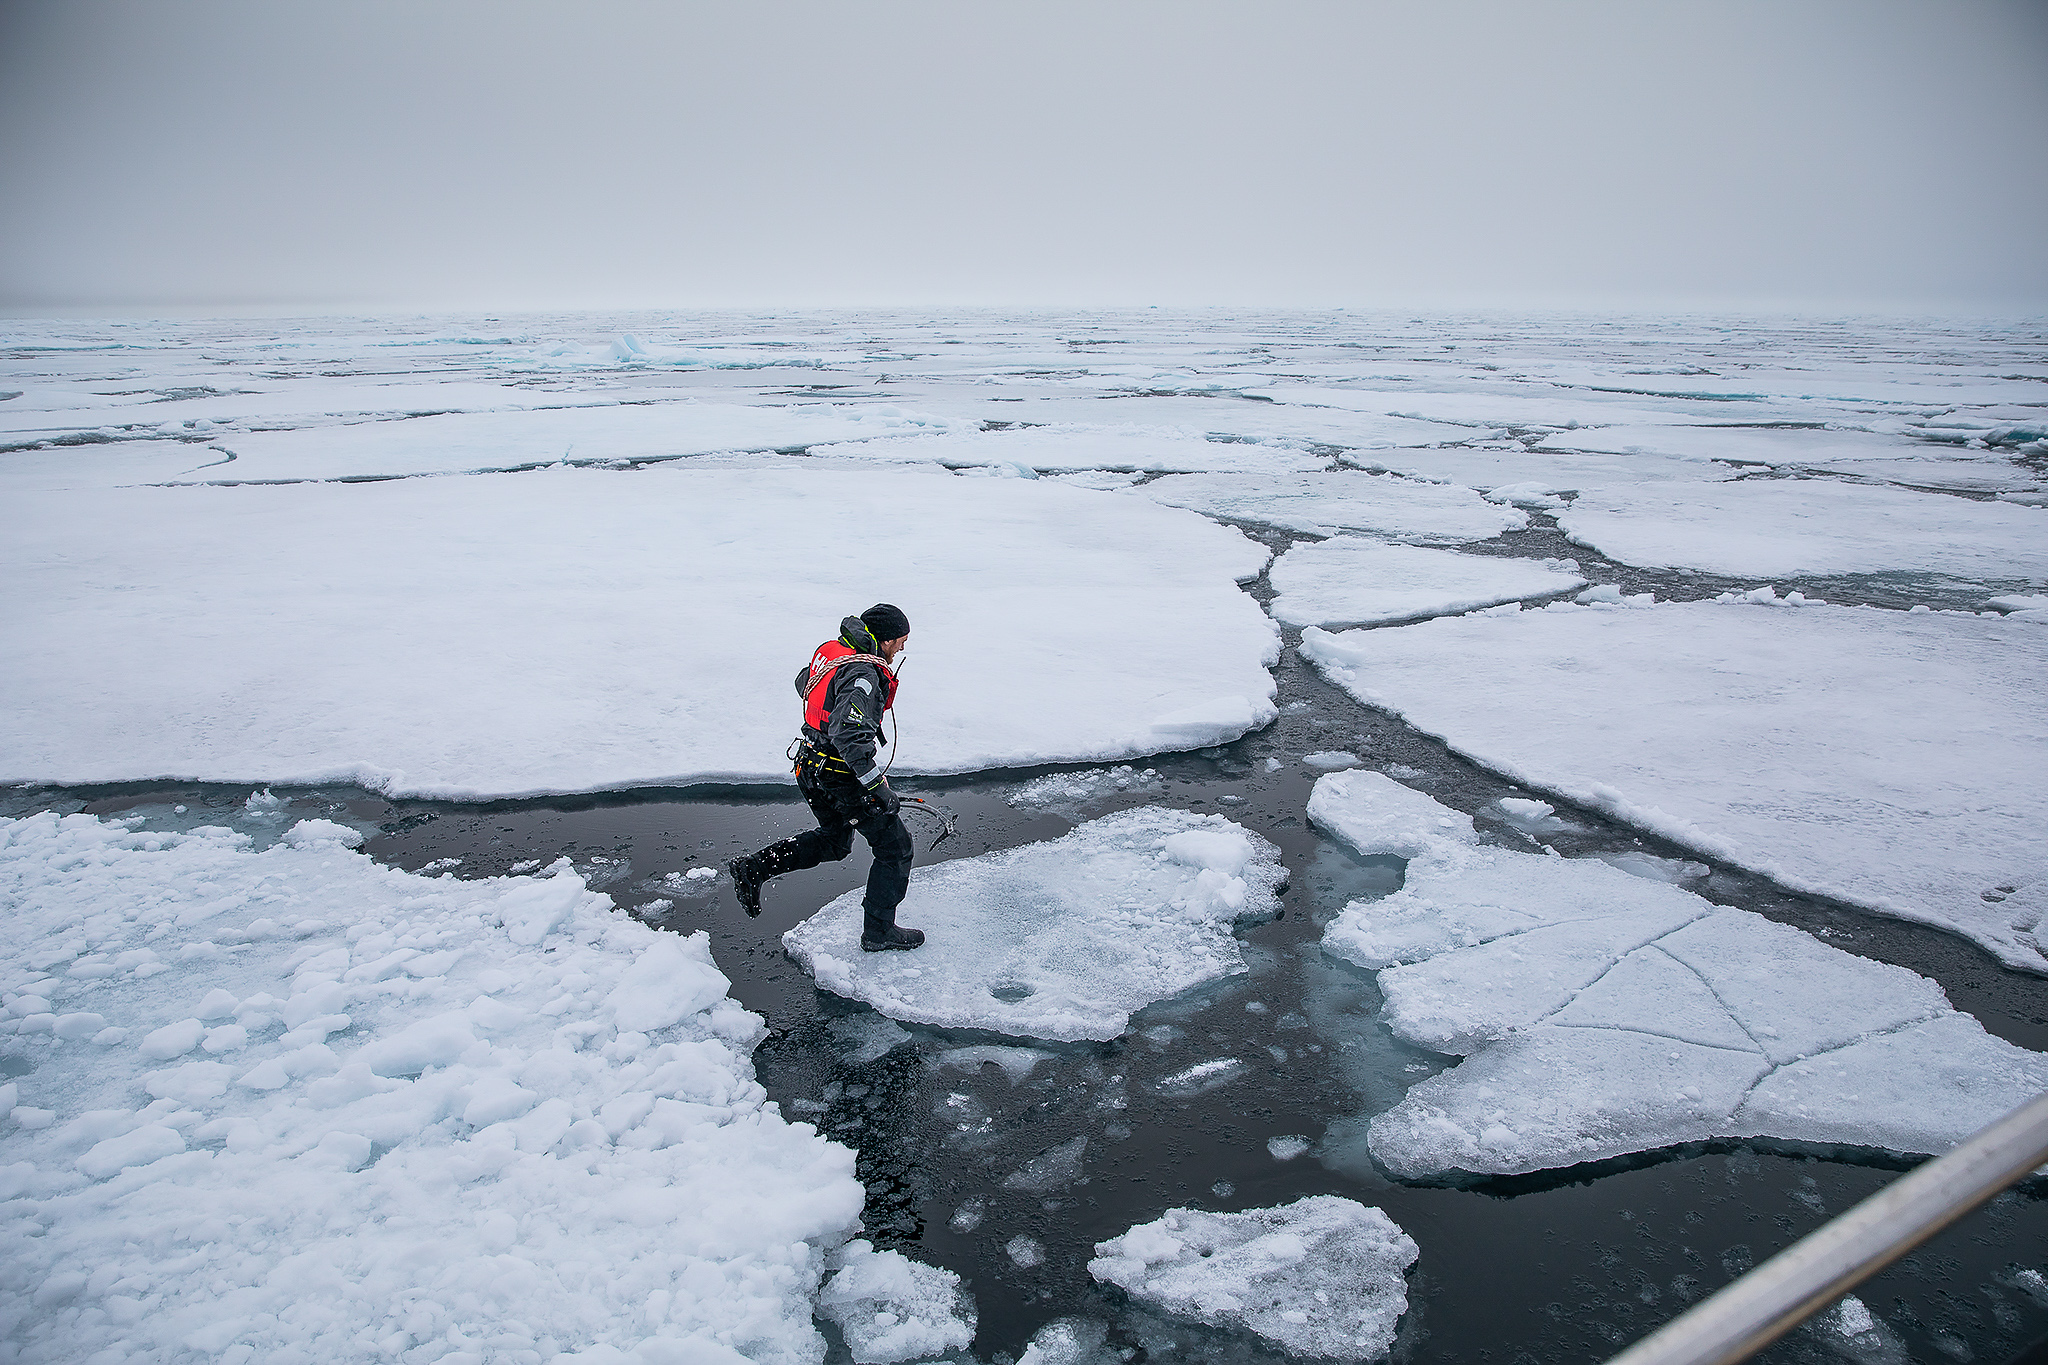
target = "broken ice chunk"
x: 1070, y: 1341
x: 892, y: 1308
x: 1348, y: 580
x: 865, y: 1037
x: 1677, y: 871
x: 1396, y: 508
x: 1552, y: 1096
x: 1603, y: 1013
x: 1017, y: 1063
x: 1375, y: 814
x: 1025, y: 1253
x: 1323, y: 1276
x: 1201, y: 1078
x: 1330, y: 759
x: 1063, y: 939
x: 1287, y: 1148
x: 1070, y: 793
x: 1531, y: 817
x: 1050, y: 1170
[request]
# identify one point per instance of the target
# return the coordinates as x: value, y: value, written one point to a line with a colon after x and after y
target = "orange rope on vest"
x: 823, y: 670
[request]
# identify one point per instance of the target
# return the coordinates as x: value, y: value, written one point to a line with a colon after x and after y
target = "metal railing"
x: 1813, y: 1272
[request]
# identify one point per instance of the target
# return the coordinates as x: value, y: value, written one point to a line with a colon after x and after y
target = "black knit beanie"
x: 887, y: 622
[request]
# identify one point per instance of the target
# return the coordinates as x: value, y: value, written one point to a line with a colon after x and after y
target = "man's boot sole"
x: 752, y: 907
x: 868, y: 947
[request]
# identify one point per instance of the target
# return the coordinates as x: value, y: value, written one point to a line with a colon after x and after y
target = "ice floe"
x: 458, y: 443
x: 1602, y: 1013
x: 1085, y: 447
x: 1894, y: 760
x: 891, y: 1308
x: 1351, y: 500
x: 1471, y: 407
x: 448, y: 1101
x: 1742, y: 445
x: 1323, y: 1276
x: 1349, y: 580
x: 519, y: 633
x: 1785, y: 527
x: 641, y: 431
x: 1060, y: 940
x: 1556, y: 472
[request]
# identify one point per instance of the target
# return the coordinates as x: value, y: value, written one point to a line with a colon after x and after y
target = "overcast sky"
x: 1797, y: 153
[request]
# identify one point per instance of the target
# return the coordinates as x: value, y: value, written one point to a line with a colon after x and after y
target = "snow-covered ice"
x: 1323, y: 1276
x: 1745, y: 445
x: 1894, y: 760
x: 891, y: 1308
x: 572, y: 630
x: 1060, y: 940
x: 454, y: 443
x: 505, y: 440
x: 1784, y: 527
x: 1350, y: 500
x: 1378, y: 816
x: 1602, y: 1013
x: 1349, y: 580
x: 1556, y: 472
x: 461, y: 1115
x: 1473, y: 408
x: 1065, y: 447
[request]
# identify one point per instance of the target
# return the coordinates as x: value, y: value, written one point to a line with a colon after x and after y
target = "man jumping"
x: 848, y: 685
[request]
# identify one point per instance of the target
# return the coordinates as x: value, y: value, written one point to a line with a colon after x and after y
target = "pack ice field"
x: 1472, y: 833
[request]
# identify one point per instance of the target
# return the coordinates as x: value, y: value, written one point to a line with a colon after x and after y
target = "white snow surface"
x: 1349, y: 580
x: 1323, y: 1276
x: 891, y: 1308
x: 1061, y: 940
x: 428, y: 1116
x: 510, y: 440
x: 572, y: 630
x: 1067, y: 446
x: 1784, y: 527
x: 456, y: 443
x: 1891, y: 759
x: 1743, y: 445
x: 1602, y: 1013
x: 1350, y: 500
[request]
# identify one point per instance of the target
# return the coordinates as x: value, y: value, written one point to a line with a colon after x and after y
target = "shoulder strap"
x: 823, y: 668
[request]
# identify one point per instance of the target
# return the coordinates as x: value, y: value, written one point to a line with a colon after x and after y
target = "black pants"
x: 841, y: 808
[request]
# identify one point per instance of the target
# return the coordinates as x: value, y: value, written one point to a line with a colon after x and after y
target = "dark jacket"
x: 854, y: 697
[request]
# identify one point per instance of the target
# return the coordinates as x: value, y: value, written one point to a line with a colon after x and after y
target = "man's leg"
x: 829, y: 842
x: 888, y: 879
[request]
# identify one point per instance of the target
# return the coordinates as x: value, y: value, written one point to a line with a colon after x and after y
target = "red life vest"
x: 828, y: 657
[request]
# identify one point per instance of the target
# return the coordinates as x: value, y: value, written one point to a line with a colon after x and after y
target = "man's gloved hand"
x: 882, y: 802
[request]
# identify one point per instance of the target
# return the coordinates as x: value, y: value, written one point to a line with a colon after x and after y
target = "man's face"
x: 891, y: 648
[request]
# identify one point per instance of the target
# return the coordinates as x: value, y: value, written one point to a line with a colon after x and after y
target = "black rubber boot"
x: 747, y: 880
x: 897, y: 937
x: 752, y: 872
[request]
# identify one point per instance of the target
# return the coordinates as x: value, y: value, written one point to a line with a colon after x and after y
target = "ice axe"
x: 948, y: 826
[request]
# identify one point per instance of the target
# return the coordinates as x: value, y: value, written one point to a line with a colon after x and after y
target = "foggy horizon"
x: 235, y: 159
